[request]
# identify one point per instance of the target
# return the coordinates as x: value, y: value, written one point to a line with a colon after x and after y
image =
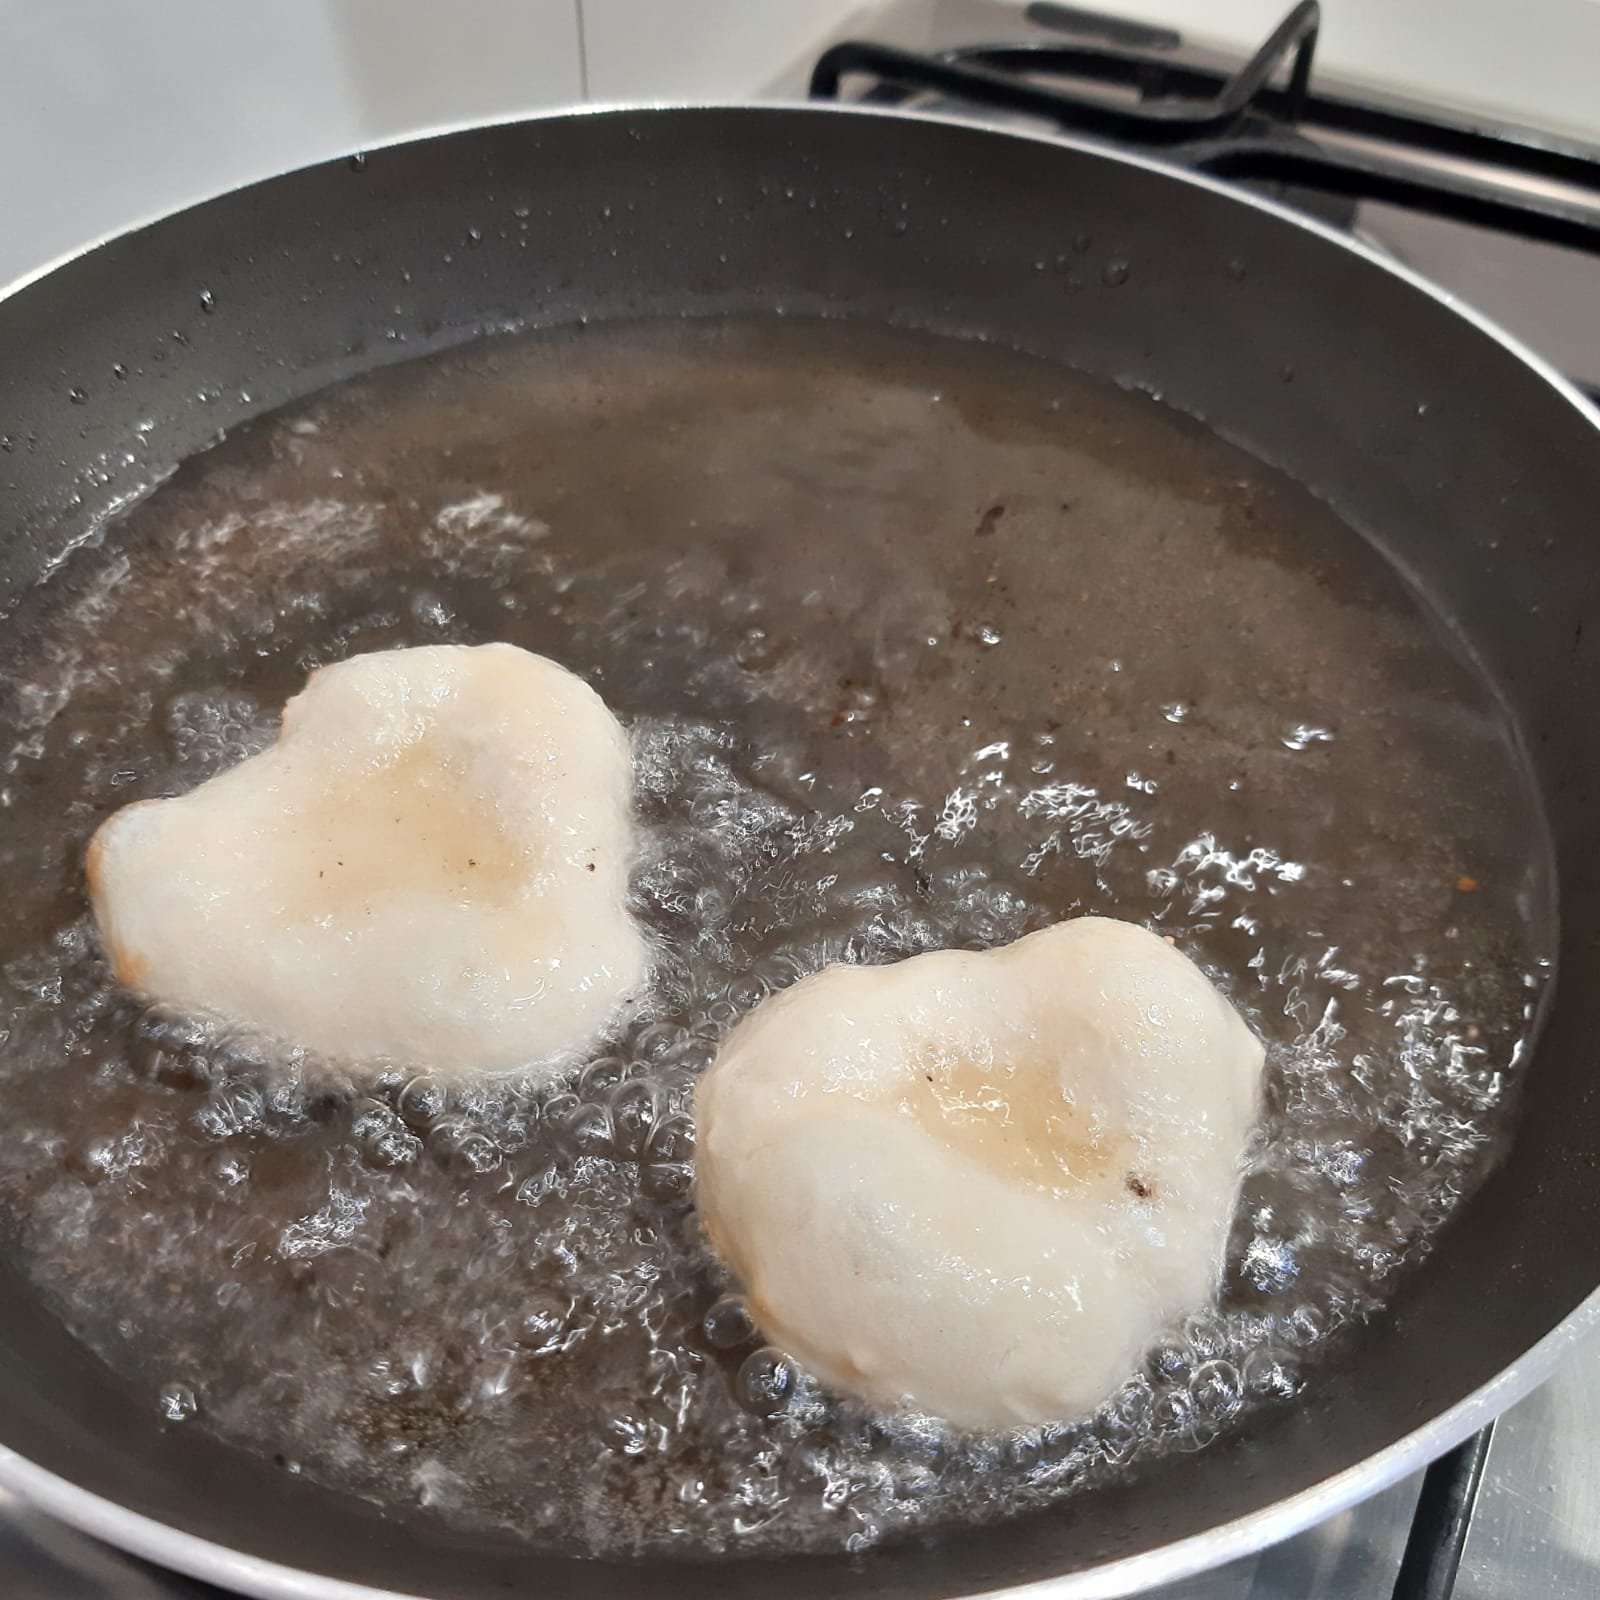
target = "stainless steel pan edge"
x: 266, y: 1580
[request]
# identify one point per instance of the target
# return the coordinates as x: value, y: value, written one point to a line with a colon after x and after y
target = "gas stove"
x: 1505, y: 216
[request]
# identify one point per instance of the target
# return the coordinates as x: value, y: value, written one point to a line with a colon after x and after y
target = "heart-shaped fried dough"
x: 428, y: 867
x: 981, y: 1185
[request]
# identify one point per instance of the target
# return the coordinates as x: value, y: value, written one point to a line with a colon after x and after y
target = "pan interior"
x: 920, y: 643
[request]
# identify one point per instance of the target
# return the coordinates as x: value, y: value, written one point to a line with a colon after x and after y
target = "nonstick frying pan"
x: 1472, y: 466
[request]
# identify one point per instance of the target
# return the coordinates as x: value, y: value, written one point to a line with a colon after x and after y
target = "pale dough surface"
x: 428, y: 867
x: 981, y: 1184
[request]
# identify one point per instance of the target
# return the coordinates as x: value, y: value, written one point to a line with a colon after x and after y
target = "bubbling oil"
x: 920, y: 645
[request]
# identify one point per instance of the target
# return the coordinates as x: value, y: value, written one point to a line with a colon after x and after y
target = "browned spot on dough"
x: 94, y: 863
x: 130, y: 967
x: 1012, y: 1118
x: 1142, y: 1187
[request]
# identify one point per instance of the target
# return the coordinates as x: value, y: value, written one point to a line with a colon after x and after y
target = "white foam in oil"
x: 920, y: 646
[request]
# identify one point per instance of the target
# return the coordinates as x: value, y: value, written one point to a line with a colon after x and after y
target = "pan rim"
x: 262, y: 1579
x: 1485, y: 324
x: 191, y: 1554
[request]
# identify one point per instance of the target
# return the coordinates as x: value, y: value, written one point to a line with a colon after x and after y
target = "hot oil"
x: 920, y: 645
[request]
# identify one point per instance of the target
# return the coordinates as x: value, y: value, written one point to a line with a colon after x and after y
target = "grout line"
x: 583, y: 51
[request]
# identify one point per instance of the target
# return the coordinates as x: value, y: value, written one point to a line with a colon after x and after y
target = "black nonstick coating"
x: 1475, y: 473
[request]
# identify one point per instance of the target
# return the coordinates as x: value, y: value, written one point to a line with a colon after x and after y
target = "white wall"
x: 709, y: 50
x: 113, y: 110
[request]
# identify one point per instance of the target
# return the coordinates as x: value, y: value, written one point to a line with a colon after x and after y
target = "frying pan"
x: 1473, y: 467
